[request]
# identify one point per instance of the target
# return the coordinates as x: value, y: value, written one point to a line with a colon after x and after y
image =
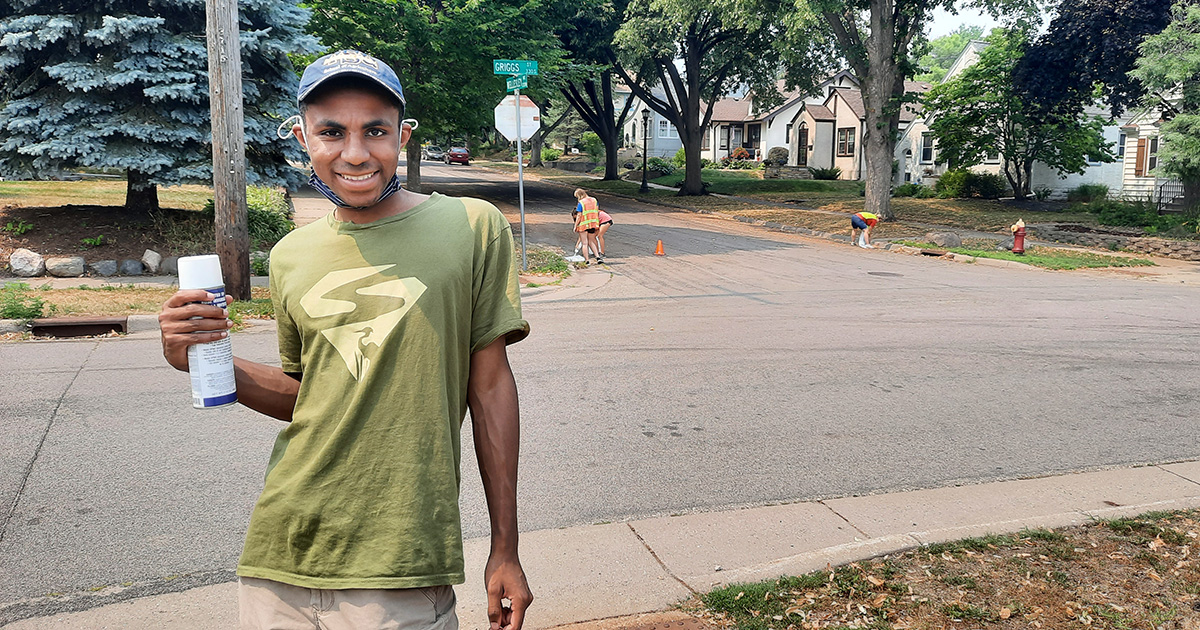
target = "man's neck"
x: 402, y: 201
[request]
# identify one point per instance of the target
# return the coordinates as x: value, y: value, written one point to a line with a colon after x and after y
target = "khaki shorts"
x: 270, y: 605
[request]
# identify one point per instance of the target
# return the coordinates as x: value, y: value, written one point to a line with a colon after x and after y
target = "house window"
x: 1152, y: 155
x: 927, y: 148
x: 1121, y: 139
x: 755, y: 134
x: 724, y: 134
x: 845, y: 142
x: 737, y: 136
x: 992, y: 158
x: 788, y: 132
x: 704, y: 142
x: 667, y: 130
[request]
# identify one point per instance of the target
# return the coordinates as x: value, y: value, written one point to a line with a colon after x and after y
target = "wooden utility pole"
x: 228, y: 146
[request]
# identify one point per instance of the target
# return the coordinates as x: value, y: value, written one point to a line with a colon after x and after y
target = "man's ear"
x: 298, y: 131
x: 405, y: 133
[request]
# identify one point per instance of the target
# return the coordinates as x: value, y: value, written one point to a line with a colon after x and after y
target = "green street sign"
x: 518, y: 82
x: 514, y: 66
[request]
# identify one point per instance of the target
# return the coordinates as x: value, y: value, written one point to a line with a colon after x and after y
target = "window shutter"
x: 1139, y: 167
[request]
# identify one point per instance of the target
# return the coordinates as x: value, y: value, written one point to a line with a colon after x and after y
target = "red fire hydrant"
x: 1018, y: 231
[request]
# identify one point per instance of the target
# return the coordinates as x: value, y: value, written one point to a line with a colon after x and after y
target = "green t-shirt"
x: 381, y: 319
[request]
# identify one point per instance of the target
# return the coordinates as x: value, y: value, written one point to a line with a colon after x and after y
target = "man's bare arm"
x: 265, y: 389
x: 495, y: 419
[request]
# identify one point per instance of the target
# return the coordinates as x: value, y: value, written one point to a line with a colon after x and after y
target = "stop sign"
x: 506, y: 117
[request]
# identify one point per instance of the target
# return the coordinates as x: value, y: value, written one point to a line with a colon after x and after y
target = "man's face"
x: 353, y: 139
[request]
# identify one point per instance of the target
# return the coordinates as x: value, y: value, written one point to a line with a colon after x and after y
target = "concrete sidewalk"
x: 616, y: 569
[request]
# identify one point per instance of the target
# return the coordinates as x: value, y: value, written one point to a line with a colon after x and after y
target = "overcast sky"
x: 943, y: 21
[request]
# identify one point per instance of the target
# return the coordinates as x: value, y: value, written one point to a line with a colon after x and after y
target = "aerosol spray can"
x: 210, y: 364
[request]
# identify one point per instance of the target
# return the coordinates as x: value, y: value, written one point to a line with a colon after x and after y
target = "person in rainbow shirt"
x: 866, y: 222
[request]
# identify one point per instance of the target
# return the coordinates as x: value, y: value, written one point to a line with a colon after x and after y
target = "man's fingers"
x: 187, y: 295
x: 517, y: 616
x: 494, y: 608
x: 185, y: 326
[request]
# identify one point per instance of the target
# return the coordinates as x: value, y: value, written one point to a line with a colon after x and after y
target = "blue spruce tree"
x: 124, y: 84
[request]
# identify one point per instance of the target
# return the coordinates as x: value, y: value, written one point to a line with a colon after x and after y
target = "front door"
x: 802, y: 148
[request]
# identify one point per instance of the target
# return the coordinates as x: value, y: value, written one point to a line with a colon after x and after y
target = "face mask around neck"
x: 393, y: 186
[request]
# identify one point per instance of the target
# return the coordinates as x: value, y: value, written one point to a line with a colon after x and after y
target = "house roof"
x: 731, y: 110
x: 908, y: 113
x: 819, y: 112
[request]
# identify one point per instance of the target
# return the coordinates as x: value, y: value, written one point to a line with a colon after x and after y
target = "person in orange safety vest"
x: 587, y: 223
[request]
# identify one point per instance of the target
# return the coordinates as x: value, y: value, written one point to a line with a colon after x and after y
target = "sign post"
x: 519, y: 69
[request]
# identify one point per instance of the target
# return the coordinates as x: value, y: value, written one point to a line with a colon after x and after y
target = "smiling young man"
x: 393, y: 315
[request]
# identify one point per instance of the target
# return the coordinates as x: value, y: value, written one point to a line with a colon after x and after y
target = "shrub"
x: 1127, y: 214
x: 549, y: 155
x: 1042, y: 193
x: 739, y: 153
x: 965, y: 184
x: 660, y: 166
x: 826, y: 173
x: 680, y: 159
x: 906, y: 190
x: 1088, y: 193
x: 777, y: 156
x: 17, y: 302
x: 267, y: 214
x: 925, y: 192
x: 592, y: 145
x: 707, y: 163
x: 741, y: 165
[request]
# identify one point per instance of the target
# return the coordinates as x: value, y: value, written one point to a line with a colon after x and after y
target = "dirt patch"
x: 1127, y: 573
x: 61, y: 231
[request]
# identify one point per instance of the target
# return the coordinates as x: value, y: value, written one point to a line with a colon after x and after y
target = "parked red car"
x: 457, y: 155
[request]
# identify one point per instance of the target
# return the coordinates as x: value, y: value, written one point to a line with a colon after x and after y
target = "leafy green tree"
x: 587, y: 81
x: 980, y: 112
x: 697, y: 51
x: 443, y: 52
x: 124, y: 85
x: 1170, y: 64
x: 944, y: 51
x: 1091, y: 44
x: 876, y: 38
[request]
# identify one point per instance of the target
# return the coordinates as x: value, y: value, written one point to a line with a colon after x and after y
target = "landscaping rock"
x: 131, y: 267
x: 27, y: 264
x: 152, y: 260
x: 944, y: 239
x: 170, y: 266
x: 1006, y: 244
x: 104, y: 268
x: 66, y: 266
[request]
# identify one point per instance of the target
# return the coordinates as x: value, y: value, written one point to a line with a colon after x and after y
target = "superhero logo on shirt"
x: 382, y: 304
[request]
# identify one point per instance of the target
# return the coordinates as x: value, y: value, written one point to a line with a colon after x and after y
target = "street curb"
x: 650, y: 564
x: 141, y: 323
x: 13, y: 326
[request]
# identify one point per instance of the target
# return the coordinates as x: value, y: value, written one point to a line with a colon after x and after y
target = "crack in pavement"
x: 12, y: 508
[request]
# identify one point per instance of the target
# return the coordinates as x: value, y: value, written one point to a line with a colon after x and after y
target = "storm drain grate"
x: 77, y: 326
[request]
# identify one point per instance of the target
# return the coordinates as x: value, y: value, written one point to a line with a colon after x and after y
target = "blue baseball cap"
x: 349, y: 62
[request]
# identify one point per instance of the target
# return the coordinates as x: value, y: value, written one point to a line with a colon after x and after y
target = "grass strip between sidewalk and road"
x: 1127, y: 573
x: 1044, y: 257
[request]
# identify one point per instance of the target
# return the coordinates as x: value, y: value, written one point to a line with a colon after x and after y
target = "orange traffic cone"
x: 658, y: 251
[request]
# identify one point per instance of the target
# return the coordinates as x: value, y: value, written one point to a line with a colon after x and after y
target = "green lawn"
x: 1045, y: 257
x: 750, y: 182
x: 95, y: 193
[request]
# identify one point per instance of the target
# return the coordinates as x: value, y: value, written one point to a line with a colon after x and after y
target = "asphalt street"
x: 746, y: 367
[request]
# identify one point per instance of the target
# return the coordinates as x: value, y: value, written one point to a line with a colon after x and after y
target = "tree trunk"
x: 693, y: 184
x: 140, y: 194
x: 412, y: 158
x: 882, y: 82
x: 535, y: 150
x: 1191, y: 194
x: 612, y: 140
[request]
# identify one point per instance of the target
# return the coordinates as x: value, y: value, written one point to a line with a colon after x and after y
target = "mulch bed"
x: 59, y: 231
x: 1128, y: 573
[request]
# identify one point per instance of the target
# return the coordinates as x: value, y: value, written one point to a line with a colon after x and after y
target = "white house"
x: 829, y: 134
x: 917, y: 158
x: 739, y: 122
x: 663, y: 139
x: 1138, y: 151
